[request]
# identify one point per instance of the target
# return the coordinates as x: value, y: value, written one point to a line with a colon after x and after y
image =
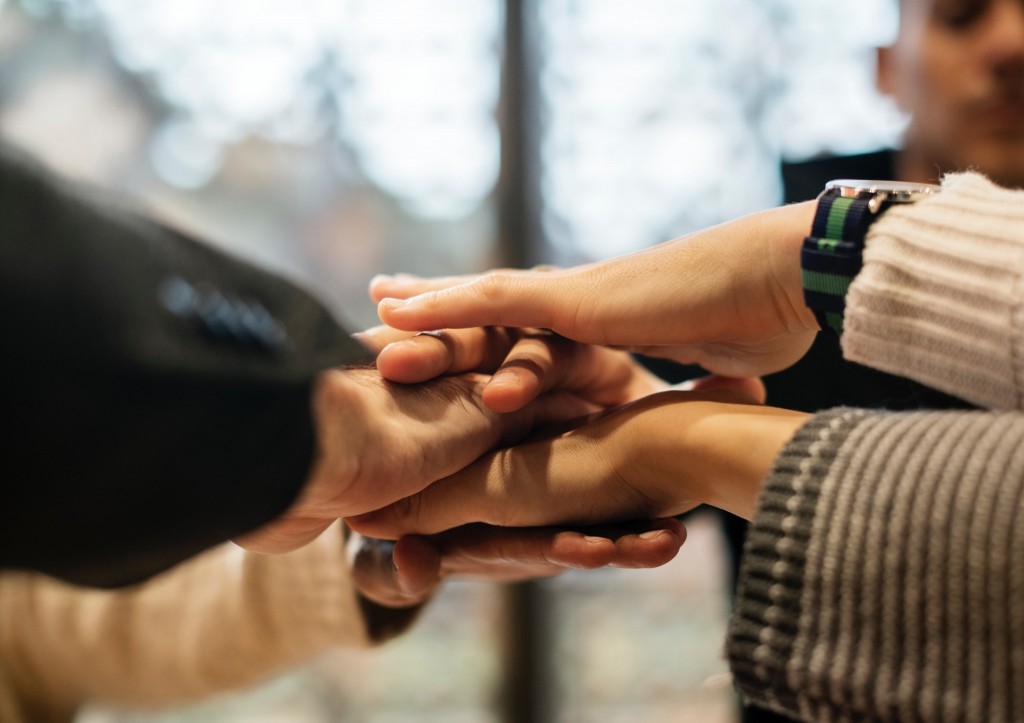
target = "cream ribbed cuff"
x: 939, y: 299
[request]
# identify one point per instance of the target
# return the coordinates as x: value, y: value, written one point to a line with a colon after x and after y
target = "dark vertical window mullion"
x: 528, y: 693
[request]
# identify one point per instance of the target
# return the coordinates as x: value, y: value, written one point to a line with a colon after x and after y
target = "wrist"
x: 832, y: 255
x: 711, y: 448
x: 743, y: 443
x: 789, y: 227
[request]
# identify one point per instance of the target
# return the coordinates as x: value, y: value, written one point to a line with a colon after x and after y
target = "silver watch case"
x: 880, y: 192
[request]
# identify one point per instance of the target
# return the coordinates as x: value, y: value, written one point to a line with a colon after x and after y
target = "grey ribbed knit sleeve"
x: 884, y: 572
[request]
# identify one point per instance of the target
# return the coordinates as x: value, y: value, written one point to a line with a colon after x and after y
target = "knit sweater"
x: 223, y: 620
x: 883, y: 576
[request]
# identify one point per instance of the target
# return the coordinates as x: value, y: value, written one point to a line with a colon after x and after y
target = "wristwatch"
x: 831, y: 255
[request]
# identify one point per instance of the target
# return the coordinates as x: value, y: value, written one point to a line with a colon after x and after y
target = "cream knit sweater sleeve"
x: 940, y: 298
x: 225, y: 619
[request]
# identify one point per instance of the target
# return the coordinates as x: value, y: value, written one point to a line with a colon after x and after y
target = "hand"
x: 407, y: 573
x: 658, y: 457
x: 378, y: 442
x: 729, y: 298
x: 525, y: 363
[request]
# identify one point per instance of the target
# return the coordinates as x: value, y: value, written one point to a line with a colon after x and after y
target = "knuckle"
x: 493, y: 286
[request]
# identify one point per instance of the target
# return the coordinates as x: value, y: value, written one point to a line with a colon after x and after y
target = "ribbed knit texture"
x: 221, y: 621
x: 940, y: 298
x: 883, y: 576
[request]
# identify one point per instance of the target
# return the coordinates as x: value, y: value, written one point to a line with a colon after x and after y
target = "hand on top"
x: 728, y: 298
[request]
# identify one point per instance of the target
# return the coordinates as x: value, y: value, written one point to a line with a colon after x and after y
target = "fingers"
x: 504, y: 553
x: 393, y: 574
x: 523, y: 299
x: 638, y: 544
x: 407, y: 572
x: 378, y: 337
x: 402, y: 286
x: 524, y: 364
x: 540, y: 363
x: 536, y: 364
x: 423, y: 356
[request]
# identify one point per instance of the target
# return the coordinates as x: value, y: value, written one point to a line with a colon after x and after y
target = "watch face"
x: 893, y: 191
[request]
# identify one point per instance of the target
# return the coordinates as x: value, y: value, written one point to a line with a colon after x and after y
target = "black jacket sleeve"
x: 155, y: 392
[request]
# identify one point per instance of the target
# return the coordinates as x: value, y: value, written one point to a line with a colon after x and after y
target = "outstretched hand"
x: 408, y: 572
x: 524, y: 363
x: 659, y: 456
x: 728, y: 298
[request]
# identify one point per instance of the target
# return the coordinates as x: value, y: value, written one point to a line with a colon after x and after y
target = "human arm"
x: 728, y: 298
x: 156, y: 392
x: 939, y: 297
x: 884, y: 555
x: 881, y: 571
x: 659, y: 456
x: 230, y: 618
x: 163, y: 397
x: 525, y: 364
x: 941, y: 279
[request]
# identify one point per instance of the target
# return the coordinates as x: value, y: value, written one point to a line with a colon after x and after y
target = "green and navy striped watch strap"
x: 831, y: 256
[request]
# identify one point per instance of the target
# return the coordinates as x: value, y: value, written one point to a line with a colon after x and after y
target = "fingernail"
x: 505, y: 377
x: 380, y: 277
x: 652, y: 534
x: 390, y: 303
x: 594, y: 540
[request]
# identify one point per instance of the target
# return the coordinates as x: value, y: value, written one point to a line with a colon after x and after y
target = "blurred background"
x: 337, y: 139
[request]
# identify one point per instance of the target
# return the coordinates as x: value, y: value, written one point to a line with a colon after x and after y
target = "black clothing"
x: 156, y: 393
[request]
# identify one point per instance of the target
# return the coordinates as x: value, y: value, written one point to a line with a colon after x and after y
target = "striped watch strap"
x: 832, y: 255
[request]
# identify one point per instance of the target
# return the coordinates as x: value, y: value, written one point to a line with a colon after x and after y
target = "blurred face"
x: 958, y: 68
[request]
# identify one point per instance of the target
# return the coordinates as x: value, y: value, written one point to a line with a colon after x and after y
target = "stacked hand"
x: 400, y: 459
x: 729, y: 299
x: 407, y: 572
x: 380, y: 442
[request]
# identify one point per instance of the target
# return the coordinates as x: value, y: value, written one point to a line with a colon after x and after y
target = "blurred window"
x: 665, y: 116
x: 336, y: 139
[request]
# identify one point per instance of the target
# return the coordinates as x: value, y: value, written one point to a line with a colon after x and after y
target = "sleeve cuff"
x: 939, y: 297
x: 764, y: 628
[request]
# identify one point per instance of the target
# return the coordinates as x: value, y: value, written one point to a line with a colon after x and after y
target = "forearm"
x: 224, y: 620
x: 706, y: 448
x: 158, y: 390
x: 880, y: 572
x: 939, y: 297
